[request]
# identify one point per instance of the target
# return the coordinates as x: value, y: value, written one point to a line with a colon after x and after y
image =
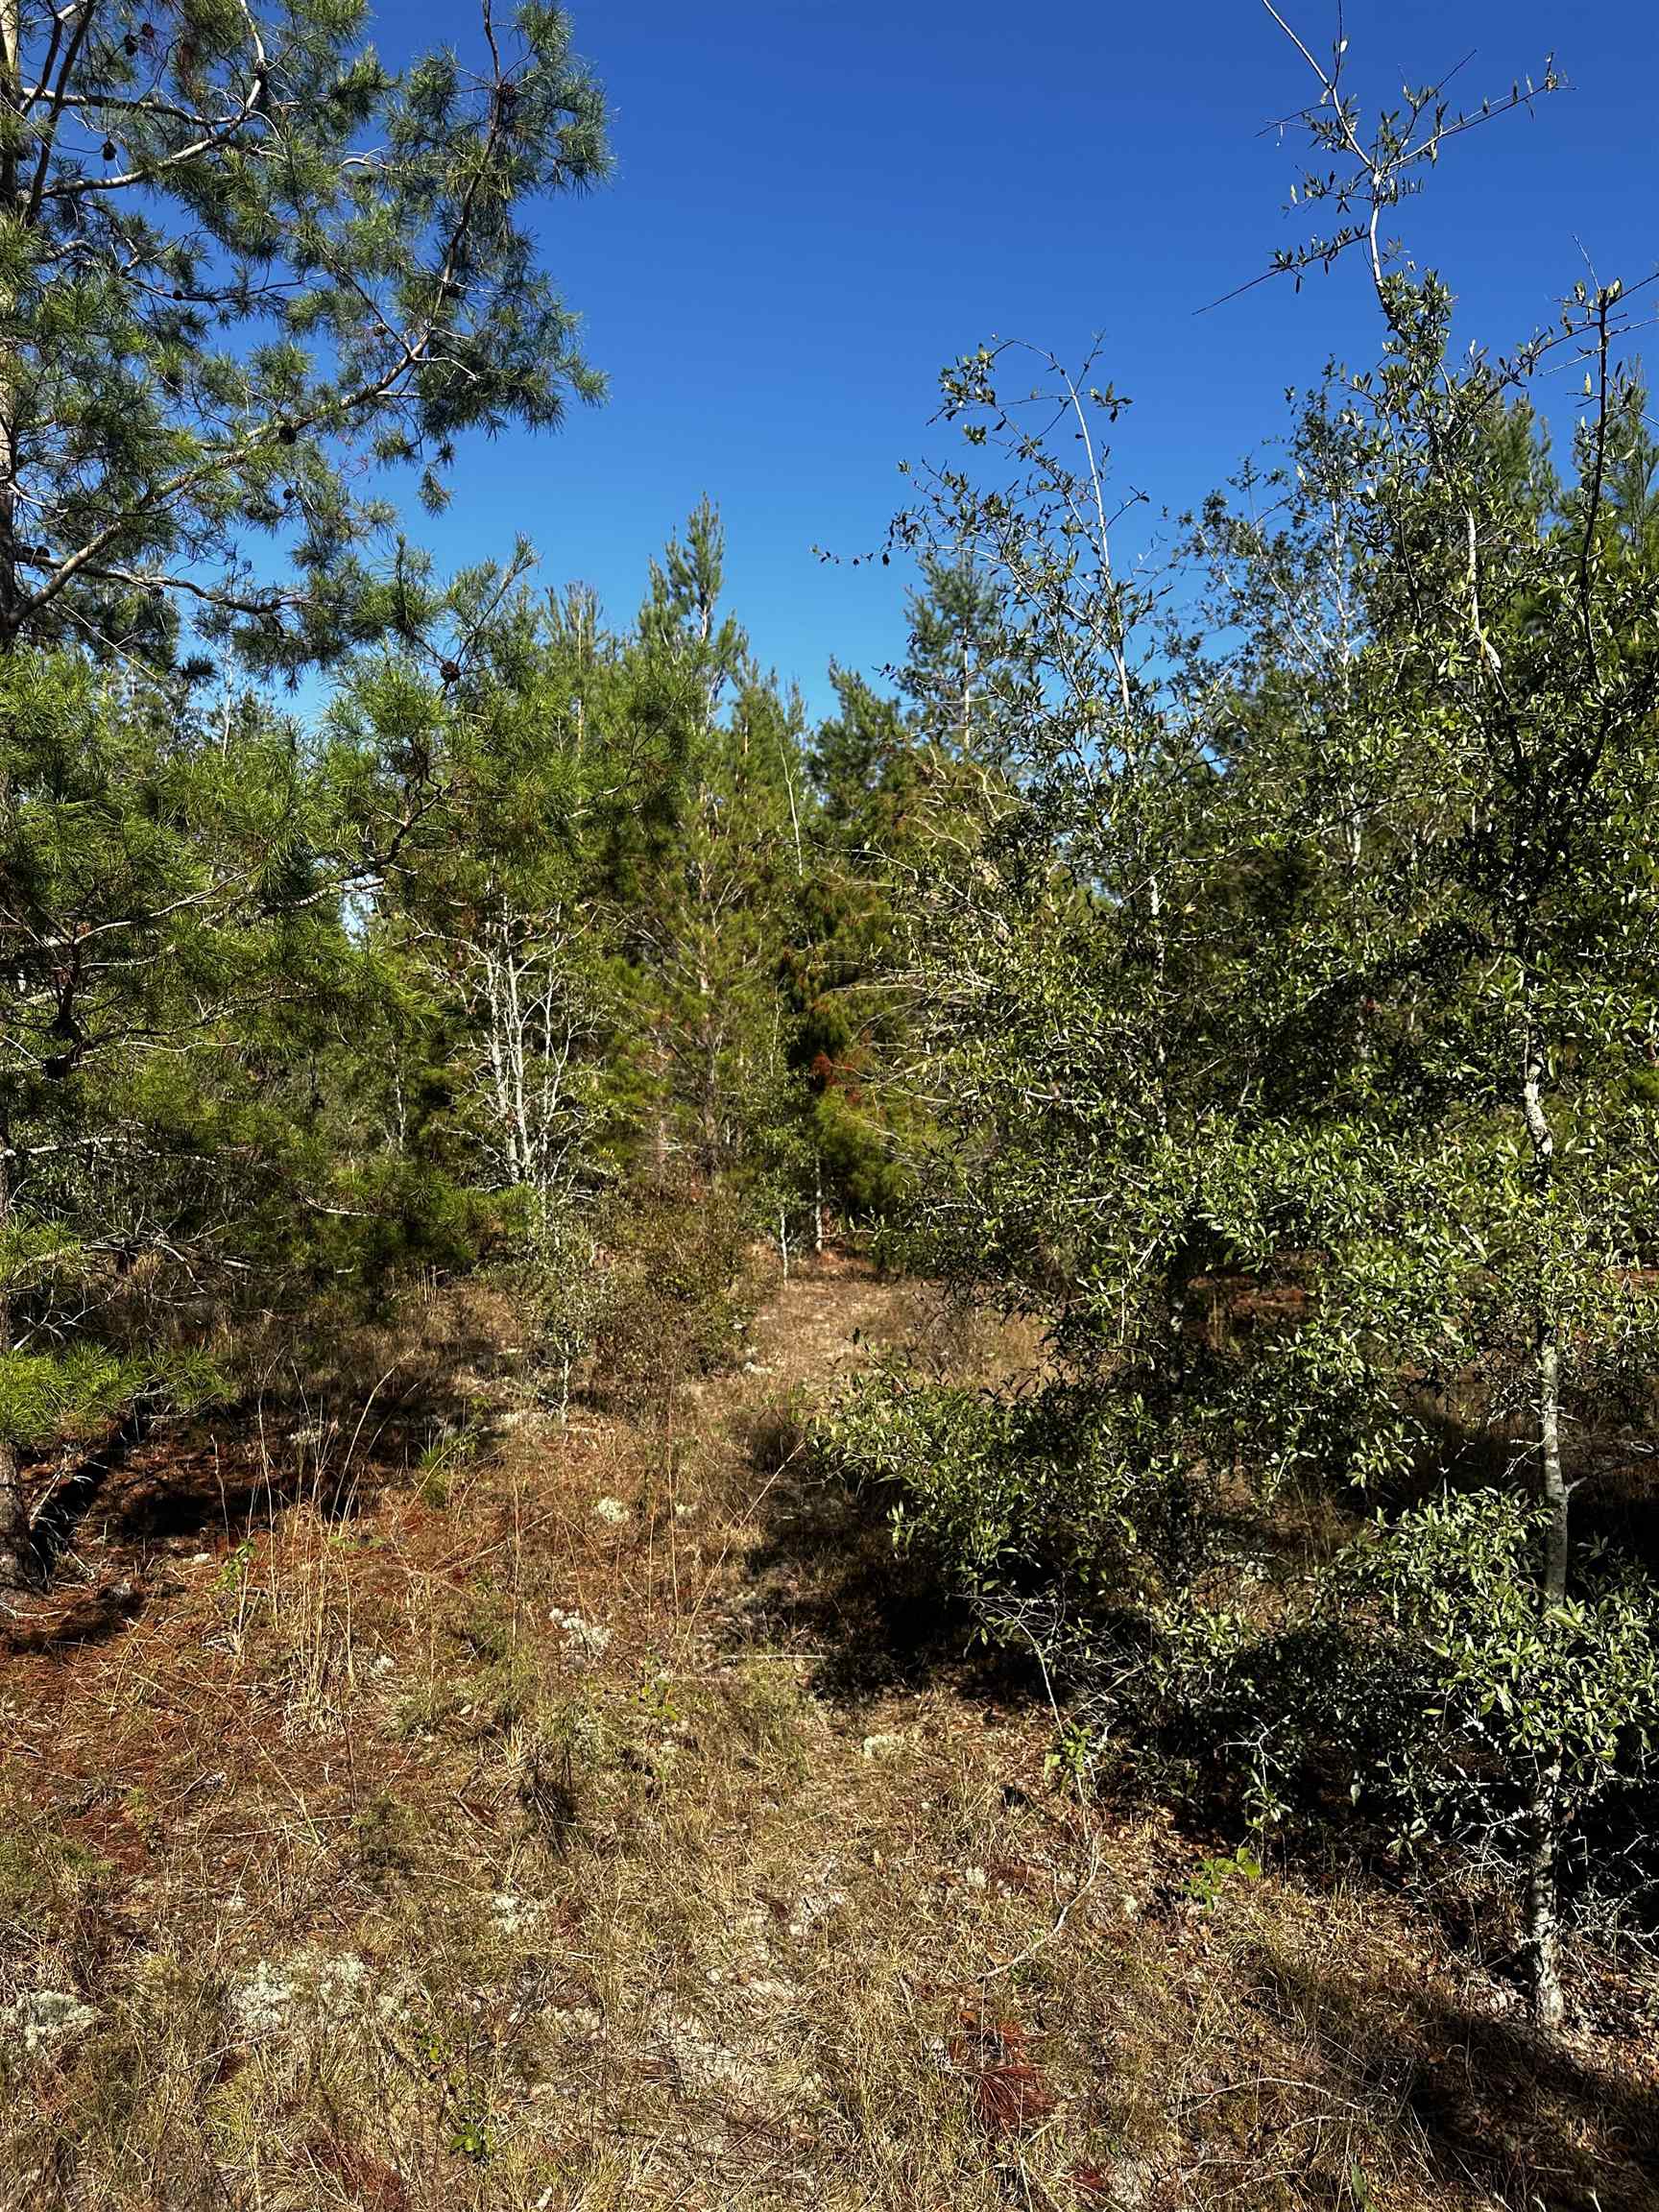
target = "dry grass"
x: 593, y: 1820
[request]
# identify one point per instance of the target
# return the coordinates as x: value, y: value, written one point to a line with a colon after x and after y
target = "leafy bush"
x: 1062, y: 1496
x: 1506, y: 1698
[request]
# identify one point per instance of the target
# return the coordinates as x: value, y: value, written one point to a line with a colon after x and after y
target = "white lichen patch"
x: 264, y: 2005
x: 42, y: 2021
x: 884, y: 1745
x: 311, y: 1988
x: 514, y: 1914
x: 811, y: 1909
x: 581, y: 1639
x: 704, y: 2062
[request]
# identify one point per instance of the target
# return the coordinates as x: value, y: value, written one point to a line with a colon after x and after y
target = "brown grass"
x: 597, y: 1818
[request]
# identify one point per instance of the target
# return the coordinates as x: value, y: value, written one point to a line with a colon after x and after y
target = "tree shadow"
x: 1610, y: 1464
x: 1484, y: 2103
x: 46, y: 1625
x: 156, y: 1483
x: 144, y: 1485
x: 329, y: 1406
x: 69, y: 1491
x: 825, y: 1579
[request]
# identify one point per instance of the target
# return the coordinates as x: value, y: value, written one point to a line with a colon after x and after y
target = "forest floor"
x: 555, y: 1819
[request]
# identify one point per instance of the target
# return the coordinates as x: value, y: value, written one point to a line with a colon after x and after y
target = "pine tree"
x: 239, y: 253
x: 239, y: 261
x: 170, y: 937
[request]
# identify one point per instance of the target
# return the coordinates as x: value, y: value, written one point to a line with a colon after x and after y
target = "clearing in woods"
x: 604, y: 1817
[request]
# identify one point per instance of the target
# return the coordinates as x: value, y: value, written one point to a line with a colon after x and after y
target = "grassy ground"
x: 598, y: 1818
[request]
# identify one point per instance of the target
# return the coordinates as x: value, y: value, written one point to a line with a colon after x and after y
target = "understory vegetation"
x: 889, y: 1459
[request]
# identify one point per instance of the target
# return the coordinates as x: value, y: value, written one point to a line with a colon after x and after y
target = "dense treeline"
x: 536, y: 914
x: 1241, y: 960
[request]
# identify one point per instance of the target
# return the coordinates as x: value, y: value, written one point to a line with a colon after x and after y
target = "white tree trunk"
x: 1543, y: 1816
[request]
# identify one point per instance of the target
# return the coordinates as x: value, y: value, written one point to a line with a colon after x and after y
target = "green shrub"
x: 1062, y: 1496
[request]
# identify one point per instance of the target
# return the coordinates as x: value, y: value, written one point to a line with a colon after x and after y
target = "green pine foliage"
x: 244, y: 256
x: 245, y: 271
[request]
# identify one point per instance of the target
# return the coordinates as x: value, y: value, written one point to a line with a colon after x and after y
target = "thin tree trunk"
x: 1543, y: 1814
x: 1543, y: 1910
x: 13, y: 1515
x: 14, y: 1512
x: 1553, y: 1482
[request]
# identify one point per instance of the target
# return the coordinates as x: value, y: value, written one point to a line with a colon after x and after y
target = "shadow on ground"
x: 823, y: 1579
x: 1483, y: 2102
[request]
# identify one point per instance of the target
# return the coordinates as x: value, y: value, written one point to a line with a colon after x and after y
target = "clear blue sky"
x: 818, y: 202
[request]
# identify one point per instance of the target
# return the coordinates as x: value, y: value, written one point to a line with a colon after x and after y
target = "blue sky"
x: 816, y: 203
